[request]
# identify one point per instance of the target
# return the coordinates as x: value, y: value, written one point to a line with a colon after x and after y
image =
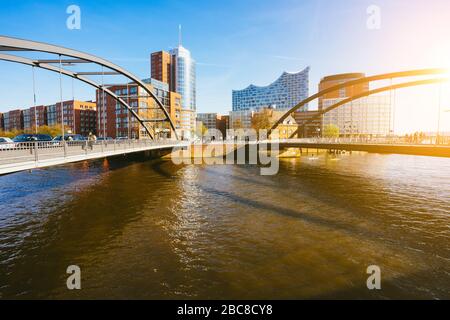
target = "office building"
x: 2, y: 123
x: 184, y: 80
x: 286, y: 92
x: 177, y: 68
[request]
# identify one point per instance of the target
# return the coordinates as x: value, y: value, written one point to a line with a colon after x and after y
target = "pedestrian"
x: 91, y: 139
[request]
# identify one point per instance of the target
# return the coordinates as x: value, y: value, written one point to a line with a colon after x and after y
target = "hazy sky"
x: 236, y: 43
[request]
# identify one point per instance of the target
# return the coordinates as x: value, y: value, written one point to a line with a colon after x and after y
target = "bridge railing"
x: 362, y: 140
x: 49, y: 150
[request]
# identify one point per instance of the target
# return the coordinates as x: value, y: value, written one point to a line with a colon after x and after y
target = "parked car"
x: 105, y: 139
x: 70, y: 137
x: 25, y: 140
x: 32, y: 138
x: 6, y: 143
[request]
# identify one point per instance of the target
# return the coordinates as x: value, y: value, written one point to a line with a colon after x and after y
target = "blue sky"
x: 234, y: 42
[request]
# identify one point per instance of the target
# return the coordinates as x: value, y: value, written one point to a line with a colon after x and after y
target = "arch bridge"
x: 360, y: 81
x: 76, y: 59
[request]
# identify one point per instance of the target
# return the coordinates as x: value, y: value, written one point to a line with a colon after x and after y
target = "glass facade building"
x: 286, y: 92
x: 241, y: 119
x: 209, y: 120
x: 183, y: 80
x: 370, y: 116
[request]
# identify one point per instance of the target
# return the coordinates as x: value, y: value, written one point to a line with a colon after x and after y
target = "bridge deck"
x: 26, y: 156
x: 381, y: 146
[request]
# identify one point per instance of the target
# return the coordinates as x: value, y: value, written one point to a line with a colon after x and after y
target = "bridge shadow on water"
x: 36, y: 249
x: 408, y: 286
x: 293, y: 213
x: 56, y: 242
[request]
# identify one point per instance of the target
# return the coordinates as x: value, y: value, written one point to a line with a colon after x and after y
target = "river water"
x: 154, y: 230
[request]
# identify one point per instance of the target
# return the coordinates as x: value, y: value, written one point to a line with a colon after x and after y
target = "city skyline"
x: 225, y: 156
x: 233, y: 54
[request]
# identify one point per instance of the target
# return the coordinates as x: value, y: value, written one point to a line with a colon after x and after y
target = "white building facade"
x: 369, y: 116
x: 185, y: 84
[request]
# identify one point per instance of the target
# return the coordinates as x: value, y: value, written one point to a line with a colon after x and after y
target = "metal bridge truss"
x: 387, y: 76
x: 75, y: 58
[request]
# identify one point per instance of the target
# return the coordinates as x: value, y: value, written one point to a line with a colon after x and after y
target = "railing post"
x: 36, y: 155
x: 65, y: 148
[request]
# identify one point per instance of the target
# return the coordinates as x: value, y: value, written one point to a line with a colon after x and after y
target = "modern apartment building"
x: 337, y: 79
x: 177, y: 68
x: 80, y: 117
x: 369, y: 116
x: 115, y: 120
x: 209, y: 120
x: 241, y: 119
x: 13, y: 120
x: 34, y: 117
x: 172, y: 102
x: 286, y: 92
x: 312, y: 129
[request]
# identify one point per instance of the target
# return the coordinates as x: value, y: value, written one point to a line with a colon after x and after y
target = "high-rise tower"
x: 177, y: 69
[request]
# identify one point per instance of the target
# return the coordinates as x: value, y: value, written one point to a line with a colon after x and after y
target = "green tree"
x: 50, y: 130
x: 10, y: 134
x: 331, y: 131
x: 237, y: 124
x: 262, y: 120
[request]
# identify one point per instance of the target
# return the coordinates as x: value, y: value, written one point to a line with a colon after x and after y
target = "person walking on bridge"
x: 91, y: 139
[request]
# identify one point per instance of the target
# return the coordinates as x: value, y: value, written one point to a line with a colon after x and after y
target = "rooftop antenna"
x: 179, y: 35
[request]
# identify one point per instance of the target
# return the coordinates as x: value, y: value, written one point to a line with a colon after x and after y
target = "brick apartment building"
x: 80, y: 117
x: 34, y: 116
x: 115, y: 121
x: 13, y: 120
x: 162, y: 68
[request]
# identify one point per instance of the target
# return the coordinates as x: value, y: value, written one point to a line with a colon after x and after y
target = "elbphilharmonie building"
x: 286, y: 92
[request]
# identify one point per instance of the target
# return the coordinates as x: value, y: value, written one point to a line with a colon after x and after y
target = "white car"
x: 6, y: 143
